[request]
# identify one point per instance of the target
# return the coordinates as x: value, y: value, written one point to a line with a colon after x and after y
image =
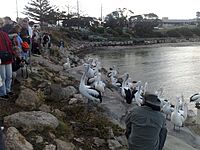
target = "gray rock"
x: 45, y: 108
x: 31, y: 121
x: 122, y: 140
x: 114, y: 144
x: 15, y: 141
x: 28, y: 99
x: 99, y: 142
x: 173, y: 143
x: 58, y: 93
x: 39, y: 139
x: 50, y: 147
x: 62, y: 145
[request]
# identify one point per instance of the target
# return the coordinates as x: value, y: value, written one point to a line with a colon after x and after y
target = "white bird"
x: 167, y: 109
x: 138, y: 96
x: 126, y: 89
x: 66, y: 65
x: 88, y: 91
x: 178, y: 117
x: 99, y: 85
x: 195, y: 98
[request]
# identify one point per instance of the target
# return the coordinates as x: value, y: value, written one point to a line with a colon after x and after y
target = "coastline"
x: 87, y: 48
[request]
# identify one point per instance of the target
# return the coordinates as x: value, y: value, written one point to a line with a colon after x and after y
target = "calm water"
x: 176, y: 69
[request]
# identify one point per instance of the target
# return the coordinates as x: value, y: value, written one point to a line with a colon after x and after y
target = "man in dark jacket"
x: 146, y: 125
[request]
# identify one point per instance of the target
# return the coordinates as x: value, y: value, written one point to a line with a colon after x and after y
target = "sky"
x: 173, y: 9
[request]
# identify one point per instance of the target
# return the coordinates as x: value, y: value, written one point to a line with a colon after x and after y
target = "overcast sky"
x: 173, y: 9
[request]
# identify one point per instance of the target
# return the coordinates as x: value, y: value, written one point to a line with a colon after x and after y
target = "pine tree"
x: 38, y: 10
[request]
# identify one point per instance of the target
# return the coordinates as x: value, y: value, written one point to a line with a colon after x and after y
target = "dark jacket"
x: 143, y: 128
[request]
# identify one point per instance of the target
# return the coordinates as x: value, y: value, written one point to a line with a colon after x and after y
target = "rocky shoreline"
x: 48, y: 112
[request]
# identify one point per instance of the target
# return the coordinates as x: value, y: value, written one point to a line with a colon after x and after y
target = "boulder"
x: 62, y: 145
x: 31, y: 121
x: 14, y: 140
x: 28, y: 99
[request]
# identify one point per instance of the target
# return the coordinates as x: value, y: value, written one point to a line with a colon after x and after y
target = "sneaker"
x: 4, y: 97
x: 10, y: 93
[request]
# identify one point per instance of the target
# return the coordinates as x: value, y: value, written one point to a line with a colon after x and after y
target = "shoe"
x: 4, y: 97
x: 10, y: 93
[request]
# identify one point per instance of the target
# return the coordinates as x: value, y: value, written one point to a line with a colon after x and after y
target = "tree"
x: 118, y: 18
x: 38, y: 10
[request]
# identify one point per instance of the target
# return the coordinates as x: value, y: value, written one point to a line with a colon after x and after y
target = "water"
x: 176, y: 69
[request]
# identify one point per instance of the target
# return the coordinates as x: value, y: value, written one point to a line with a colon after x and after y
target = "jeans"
x: 6, y: 75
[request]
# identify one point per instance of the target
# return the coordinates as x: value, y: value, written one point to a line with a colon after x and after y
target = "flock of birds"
x: 92, y: 87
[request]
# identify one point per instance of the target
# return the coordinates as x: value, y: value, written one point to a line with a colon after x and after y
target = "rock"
x: 114, y: 144
x: 62, y: 145
x: 59, y: 113
x: 191, y: 118
x: 73, y: 101
x: 45, y: 108
x: 173, y: 143
x: 99, y: 142
x: 39, y: 139
x: 50, y: 147
x: 58, y: 93
x: 15, y: 141
x: 122, y: 140
x: 28, y: 99
x: 80, y: 98
x: 31, y: 121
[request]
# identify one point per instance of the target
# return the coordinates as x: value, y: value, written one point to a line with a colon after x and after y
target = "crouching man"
x: 146, y: 125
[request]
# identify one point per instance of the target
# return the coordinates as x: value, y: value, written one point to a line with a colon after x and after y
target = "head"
x: 1, y: 22
x: 17, y: 28
x: 152, y: 101
x: 7, y: 20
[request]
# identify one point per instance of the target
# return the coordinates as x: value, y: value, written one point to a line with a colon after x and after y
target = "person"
x: 6, y: 64
x: 146, y: 125
x: 8, y: 24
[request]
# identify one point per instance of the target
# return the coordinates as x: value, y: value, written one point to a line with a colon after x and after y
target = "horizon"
x: 154, y: 6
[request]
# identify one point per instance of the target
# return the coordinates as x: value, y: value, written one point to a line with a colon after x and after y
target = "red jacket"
x: 4, y: 36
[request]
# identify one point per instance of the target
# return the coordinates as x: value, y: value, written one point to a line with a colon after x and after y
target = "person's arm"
x: 162, y: 135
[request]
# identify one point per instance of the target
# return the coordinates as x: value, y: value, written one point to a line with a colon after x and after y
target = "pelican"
x: 167, y: 109
x: 178, y: 117
x: 195, y: 98
x: 126, y: 90
x: 99, y: 85
x: 66, y: 65
x: 88, y: 91
x: 138, y: 95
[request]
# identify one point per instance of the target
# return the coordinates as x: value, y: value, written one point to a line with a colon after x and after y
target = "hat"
x: 25, y: 45
x: 152, y: 99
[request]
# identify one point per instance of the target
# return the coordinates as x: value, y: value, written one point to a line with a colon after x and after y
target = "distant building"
x: 174, y: 23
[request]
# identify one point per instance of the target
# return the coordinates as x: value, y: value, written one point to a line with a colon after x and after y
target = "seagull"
x: 88, y: 91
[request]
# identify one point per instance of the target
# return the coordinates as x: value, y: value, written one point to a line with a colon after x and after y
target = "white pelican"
x: 98, y: 84
x: 167, y: 109
x: 138, y: 95
x: 195, y: 98
x: 88, y: 91
x: 126, y: 89
x: 178, y: 117
x: 66, y: 65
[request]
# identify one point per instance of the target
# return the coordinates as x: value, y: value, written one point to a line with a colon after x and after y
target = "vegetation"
x: 119, y: 25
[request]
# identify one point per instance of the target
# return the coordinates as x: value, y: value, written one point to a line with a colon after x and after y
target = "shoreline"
x: 88, y: 48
